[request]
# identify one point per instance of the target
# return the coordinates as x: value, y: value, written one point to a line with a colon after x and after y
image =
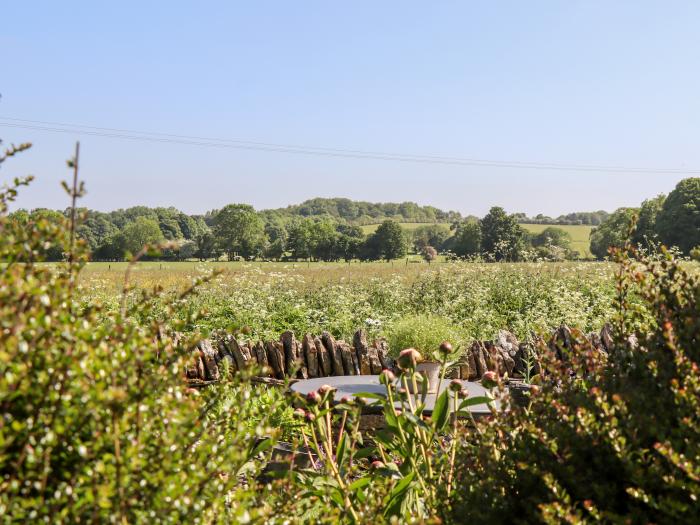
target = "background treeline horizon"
x: 331, y: 229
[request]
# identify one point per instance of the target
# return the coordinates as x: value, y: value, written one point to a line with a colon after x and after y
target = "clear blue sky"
x: 584, y: 82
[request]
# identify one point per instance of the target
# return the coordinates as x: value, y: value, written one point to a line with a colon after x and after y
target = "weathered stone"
x: 302, y: 370
x: 385, y: 359
x: 275, y: 358
x: 241, y: 354
x: 261, y: 355
x: 374, y: 362
x: 494, y: 360
x: 324, y: 360
x: 359, y: 341
x: 209, y: 355
x: 335, y: 354
x: 560, y: 342
x: 289, y: 344
x: 310, y: 355
x: 508, y: 342
x: 346, y: 353
x: 225, y: 353
x: 471, y: 372
x: 478, y: 352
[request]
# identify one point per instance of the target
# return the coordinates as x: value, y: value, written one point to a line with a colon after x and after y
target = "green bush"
x: 423, y: 332
x: 96, y: 422
x: 609, y: 438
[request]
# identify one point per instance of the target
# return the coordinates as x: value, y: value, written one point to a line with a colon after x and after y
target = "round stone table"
x: 353, y: 385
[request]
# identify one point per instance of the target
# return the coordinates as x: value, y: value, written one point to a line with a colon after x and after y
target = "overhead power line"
x: 170, y: 138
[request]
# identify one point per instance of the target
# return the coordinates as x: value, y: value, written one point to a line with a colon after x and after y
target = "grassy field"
x: 409, y: 226
x: 580, y: 236
x: 579, y: 233
x: 400, y: 301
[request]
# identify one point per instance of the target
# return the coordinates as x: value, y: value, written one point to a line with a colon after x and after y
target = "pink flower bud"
x: 387, y: 377
x: 377, y: 464
x: 347, y: 400
x: 445, y: 348
x: 299, y: 413
x: 408, y: 358
x: 489, y: 379
x: 325, y: 389
x: 455, y: 385
x: 313, y: 397
x: 310, y: 417
x: 464, y: 393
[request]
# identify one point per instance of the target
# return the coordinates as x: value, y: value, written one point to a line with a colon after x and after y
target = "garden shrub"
x: 608, y: 438
x: 424, y: 332
x: 96, y: 422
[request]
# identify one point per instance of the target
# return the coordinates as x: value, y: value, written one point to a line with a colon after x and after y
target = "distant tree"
x: 552, y: 236
x: 614, y: 231
x: 187, y: 250
x: 239, y: 230
x: 645, y: 231
x: 299, y: 238
x: 501, y: 235
x: 141, y: 232
x: 429, y: 254
x: 349, y: 241
x: 430, y: 235
x: 553, y: 244
x: 96, y: 229
x: 466, y: 240
x: 112, y: 249
x: 206, y: 246
x: 388, y: 241
x: 323, y: 239
x: 678, y: 221
x: 168, y: 223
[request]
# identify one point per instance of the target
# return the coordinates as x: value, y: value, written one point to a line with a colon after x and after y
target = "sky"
x: 589, y: 82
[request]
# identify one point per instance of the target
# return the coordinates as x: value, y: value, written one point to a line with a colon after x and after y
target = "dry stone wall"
x: 322, y: 356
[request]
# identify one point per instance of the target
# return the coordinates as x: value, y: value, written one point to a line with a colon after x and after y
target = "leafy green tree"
x: 168, y: 223
x: 466, y: 240
x: 645, y: 230
x: 678, y: 221
x: 388, y: 241
x: 239, y: 230
x: 501, y: 235
x: 552, y: 236
x: 430, y: 235
x: 323, y: 239
x: 207, y: 247
x: 613, y: 232
x: 141, y: 232
x: 96, y: 229
x: 349, y: 241
x: 112, y: 249
x: 300, y: 240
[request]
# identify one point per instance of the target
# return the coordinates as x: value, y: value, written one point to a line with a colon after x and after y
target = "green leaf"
x: 364, y: 452
x: 397, y: 495
x: 440, y: 411
x: 359, y: 483
x: 472, y: 401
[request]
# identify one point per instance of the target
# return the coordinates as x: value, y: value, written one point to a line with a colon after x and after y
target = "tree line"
x: 330, y: 230
x: 672, y: 220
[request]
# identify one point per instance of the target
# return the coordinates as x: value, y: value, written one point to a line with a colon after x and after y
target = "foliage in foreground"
x: 96, y: 424
x: 612, y: 438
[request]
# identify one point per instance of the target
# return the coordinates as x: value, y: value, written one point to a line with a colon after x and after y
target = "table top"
x: 353, y: 385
